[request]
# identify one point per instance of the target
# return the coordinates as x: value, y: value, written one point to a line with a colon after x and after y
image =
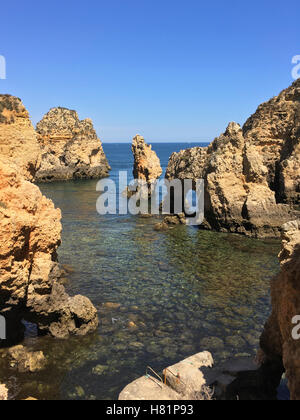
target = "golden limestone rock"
x: 18, y: 139
x: 280, y: 341
x: 146, y: 162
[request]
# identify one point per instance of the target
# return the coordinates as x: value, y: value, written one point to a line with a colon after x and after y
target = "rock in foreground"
x: 70, y: 147
x: 251, y: 174
x: 26, y: 361
x: 146, y: 162
x: 281, y: 350
x: 148, y: 389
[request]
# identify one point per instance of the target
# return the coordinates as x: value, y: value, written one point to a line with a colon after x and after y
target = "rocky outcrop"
x: 30, y: 235
x: 70, y: 147
x: 198, y: 378
x: 281, y: 349
x: 251, y: 173
x: 18, y: 139
x: 170, y: 221
x: 146, y: 162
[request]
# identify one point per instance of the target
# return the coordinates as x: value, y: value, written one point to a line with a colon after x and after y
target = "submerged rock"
x: 70, y: 147
x: 279, y: 342
x: 100, y: 370
x: 60, y: 315
x: 146, y: 162
x: 251, y: 173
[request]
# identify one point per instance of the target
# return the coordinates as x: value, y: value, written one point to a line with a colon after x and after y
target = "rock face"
x: 252, y: 174
x: 146, y: 162
x: 30, y: 235
x: 70, y: 147
x: 280, y: 349
x: 30, y: 230
x: 18, y: 139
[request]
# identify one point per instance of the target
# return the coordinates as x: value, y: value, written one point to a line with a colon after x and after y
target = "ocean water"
x: 178, y: 293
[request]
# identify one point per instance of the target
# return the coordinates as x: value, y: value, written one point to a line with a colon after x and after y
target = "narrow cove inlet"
x: 161, y: 296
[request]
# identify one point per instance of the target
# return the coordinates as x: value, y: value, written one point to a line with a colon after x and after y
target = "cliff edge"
x: 251, y: 173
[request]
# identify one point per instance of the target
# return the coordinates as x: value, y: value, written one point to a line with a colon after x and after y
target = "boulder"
x: 70, y: 147
x: 3, y: 393
x: 182, y: 381
x: 187, y: 376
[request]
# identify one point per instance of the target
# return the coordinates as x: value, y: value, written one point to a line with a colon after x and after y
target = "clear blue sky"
x: 170, y: 70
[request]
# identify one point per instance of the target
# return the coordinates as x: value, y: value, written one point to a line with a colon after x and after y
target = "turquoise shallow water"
x: 179, y: 293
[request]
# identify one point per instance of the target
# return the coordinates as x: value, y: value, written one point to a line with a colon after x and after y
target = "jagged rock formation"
x: 252, y: 174
x: 18, y: 139
x: 30, y: 235
x: 280, y: 349
x: 146, y: 162
x: 26, y: 361
x: 70, y: 147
